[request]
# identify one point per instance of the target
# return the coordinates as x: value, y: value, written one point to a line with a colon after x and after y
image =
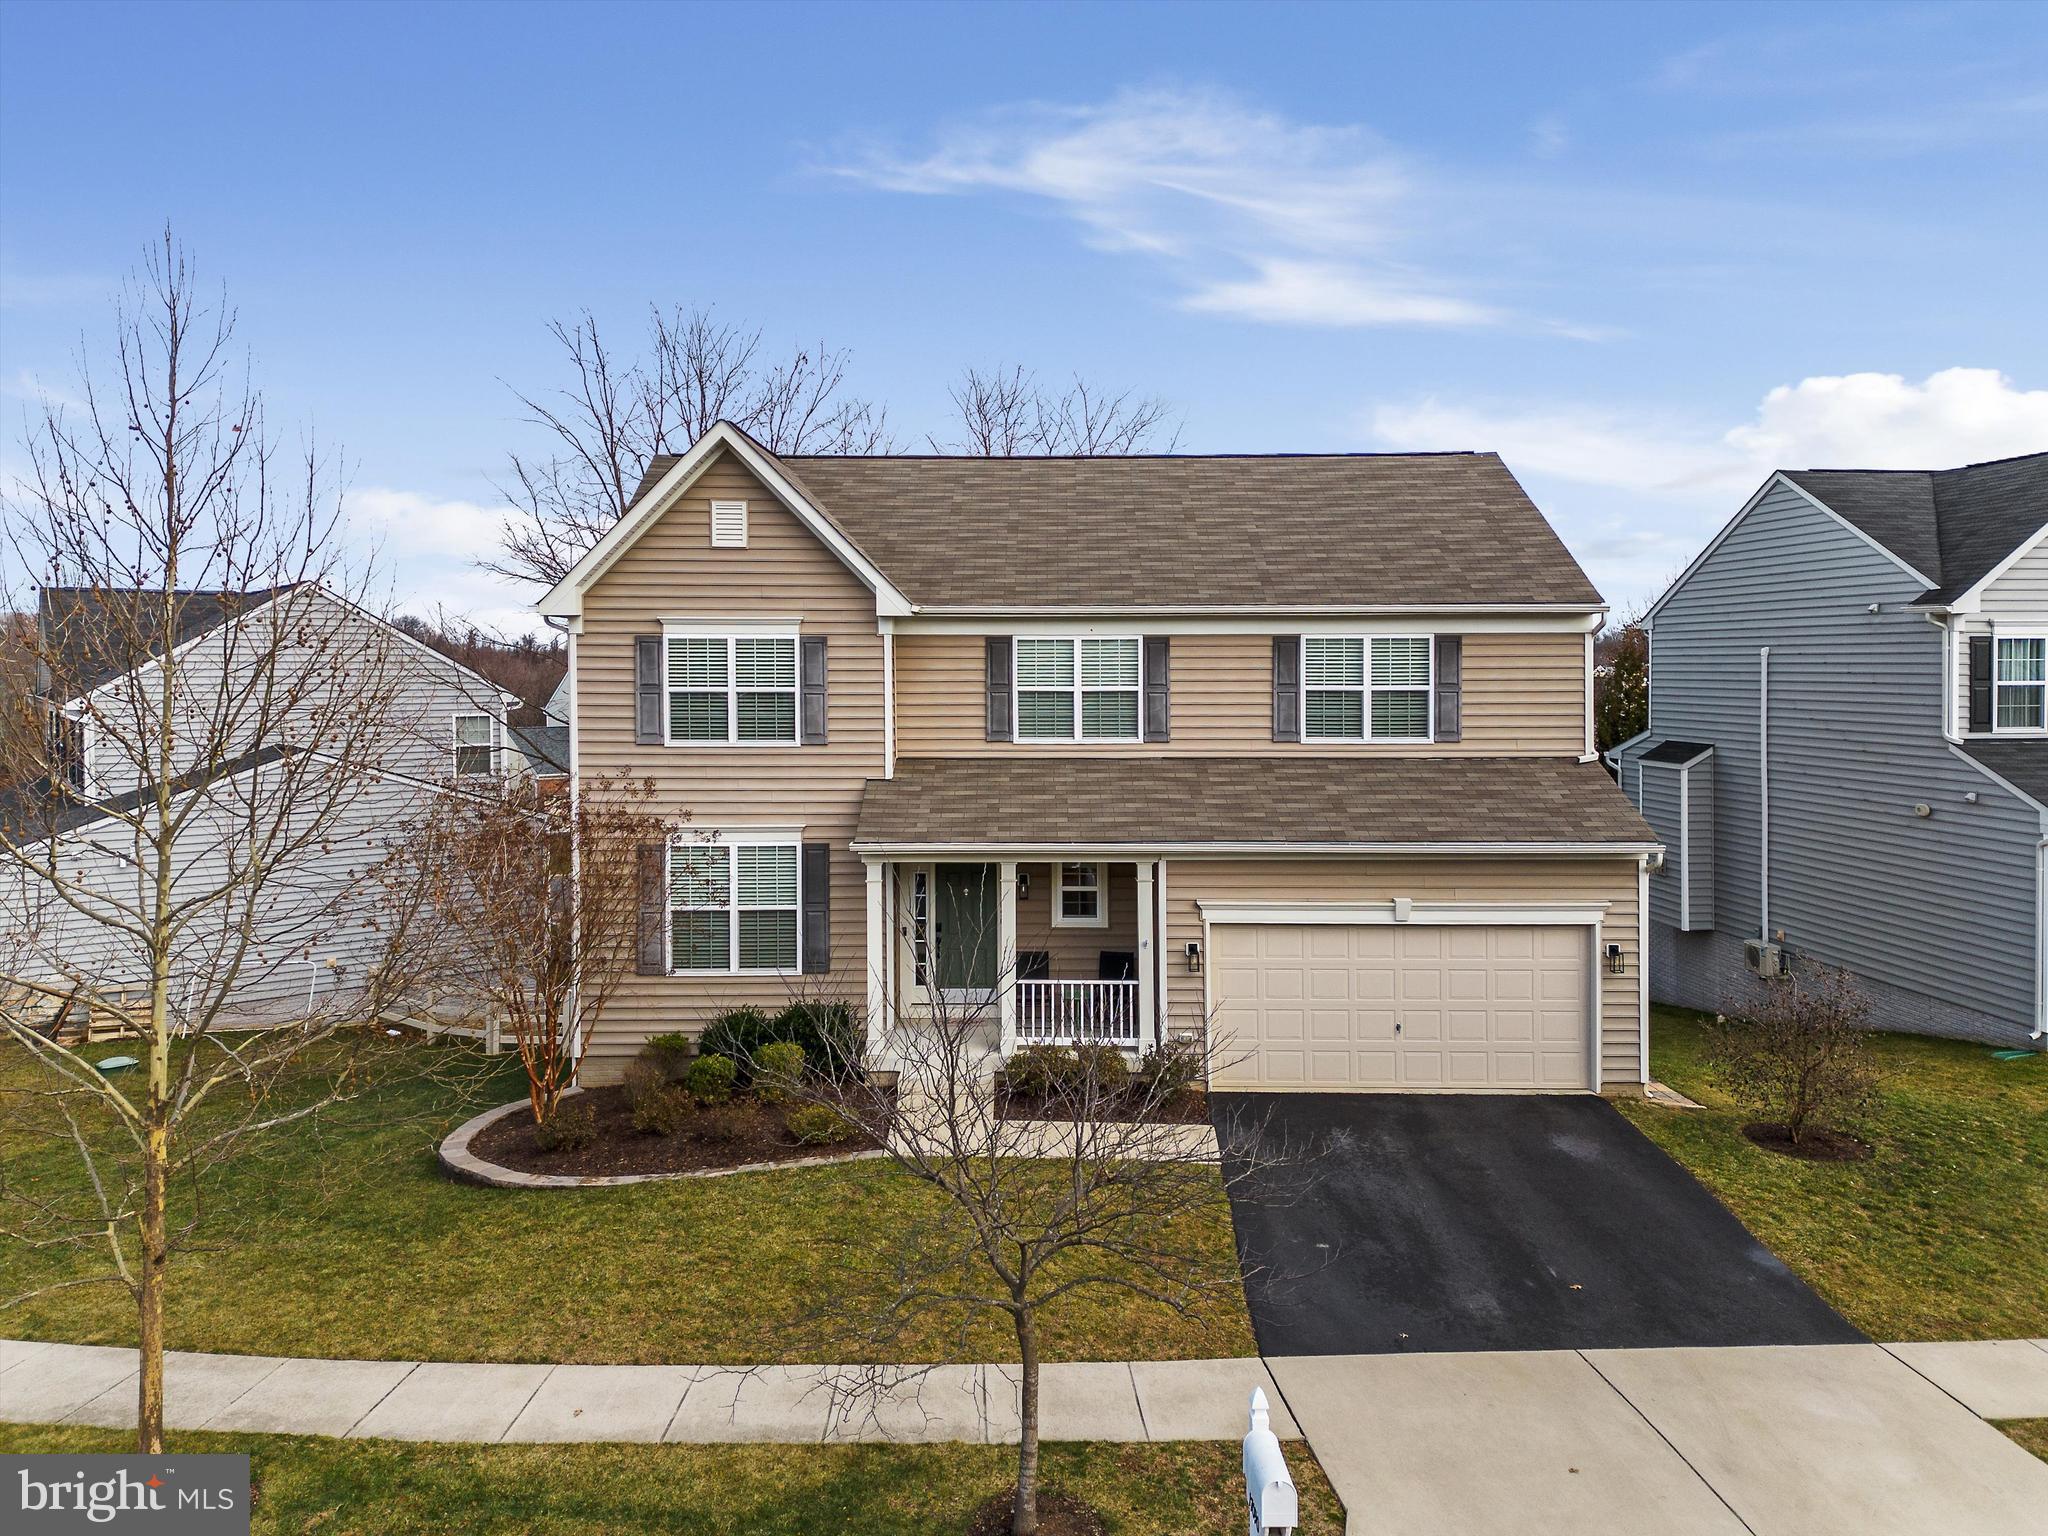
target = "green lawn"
x: 2031, y: 1433
x: 346, y: 1242
x: 1940, y: 1235
x: 389, y: 1488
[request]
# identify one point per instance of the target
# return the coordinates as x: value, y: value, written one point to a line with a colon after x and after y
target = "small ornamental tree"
x: 1621, y: 685
x: 1102, y: 1190
x: 1801, y: 1054
x: 533, y: 899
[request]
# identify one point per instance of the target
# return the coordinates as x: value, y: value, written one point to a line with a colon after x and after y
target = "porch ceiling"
x: 1073, y: 802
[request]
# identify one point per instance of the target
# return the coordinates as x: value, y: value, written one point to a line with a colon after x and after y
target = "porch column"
x: 878, y: 939
x: 1006, y: 955
x: 1148, y: 961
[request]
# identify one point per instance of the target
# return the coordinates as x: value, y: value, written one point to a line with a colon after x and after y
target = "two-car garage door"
x: 1332, y: 1006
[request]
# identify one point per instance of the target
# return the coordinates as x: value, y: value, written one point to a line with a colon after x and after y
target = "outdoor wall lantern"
x: 1194, y: 957
x: 1614, y: 965
x: 1023, y: 885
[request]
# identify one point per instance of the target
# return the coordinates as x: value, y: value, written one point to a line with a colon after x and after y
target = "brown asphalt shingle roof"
x: 1027, y: 801
x: 1285, y: 530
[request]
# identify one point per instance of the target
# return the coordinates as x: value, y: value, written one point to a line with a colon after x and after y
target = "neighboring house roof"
x: 546, y: 748
x: 1184, y: 531
x: 26, y: 811
x: 1677, y: 753
x: 74, y: 624
x: 1955, y: 526
x: 1058, y: 801
x: 2022, y: 764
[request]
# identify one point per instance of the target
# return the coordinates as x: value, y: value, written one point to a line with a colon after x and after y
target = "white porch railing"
x: 1077, y: 1013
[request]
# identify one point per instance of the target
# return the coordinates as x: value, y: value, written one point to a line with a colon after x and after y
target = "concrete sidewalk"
x: 413, y: 1400
x: 1779, y: 1440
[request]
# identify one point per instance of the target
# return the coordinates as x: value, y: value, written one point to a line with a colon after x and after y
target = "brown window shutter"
x: 1000, y: 714
x: 647, y: 690
x: 817, y: 884
x: 1450, y: 666
x: 1158, y: 688
x: 1287, y: 687
x: 653, y: 958
x: 1980, y: 682
x: 813, y: 728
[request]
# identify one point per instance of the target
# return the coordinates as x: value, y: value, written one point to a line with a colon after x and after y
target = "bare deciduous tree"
x: 510, y: 931
x: 1002, y: 412
x: 219, y: 717
x: 1103, y: 1188
x: 616, y: 413
x: 1800, y: 1053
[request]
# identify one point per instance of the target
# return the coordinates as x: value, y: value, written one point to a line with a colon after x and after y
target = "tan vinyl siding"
x: 1076, y: 953
x: 1523, y: 694
x: 672, y: 572
x: 1535, y: 881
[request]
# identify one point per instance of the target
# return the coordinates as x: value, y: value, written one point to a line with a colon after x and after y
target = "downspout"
x: 1763, y: 768
x: 1643, y: 967
x: 2040, y: 1029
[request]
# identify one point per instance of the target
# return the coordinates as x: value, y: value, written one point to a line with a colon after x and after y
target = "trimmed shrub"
x: 830, y: 1035
x: 1039, y: 1071
x: 819, y: 1125
x: 722, y: 1124
x: 778, y: 1068
x: 659, y: 1107
x: 711, y: 1079
x: 572, y: 1127
x: 737, y: 1034
x: 1171, y: 1069
x: 671, y: 1052
x: 1104, y: 1066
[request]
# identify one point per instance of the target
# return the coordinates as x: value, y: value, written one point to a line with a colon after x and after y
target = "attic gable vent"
x: 728, y: 525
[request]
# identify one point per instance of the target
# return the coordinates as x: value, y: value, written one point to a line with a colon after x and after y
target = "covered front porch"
x: 1047, y: 950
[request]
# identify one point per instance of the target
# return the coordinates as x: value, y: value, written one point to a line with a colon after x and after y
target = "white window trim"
x: 496, y: 745
x: 1017, y: 695
x: 1998, y: 687
x: 1059, y: 895
x: 731, y: 634
x: 1366, y: 692
x: 732, y: 842
x: 728, y: 507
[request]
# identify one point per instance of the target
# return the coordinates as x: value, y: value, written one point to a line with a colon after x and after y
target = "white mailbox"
x: 1267, y: 1488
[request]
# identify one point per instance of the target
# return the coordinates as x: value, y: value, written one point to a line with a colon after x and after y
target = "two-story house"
x: 305, y: 734
x: 1848, y: 747
x: 1296, y: 747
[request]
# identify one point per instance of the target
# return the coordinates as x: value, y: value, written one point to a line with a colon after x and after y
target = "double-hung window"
x: 476, y: 746
x: 1078, y: 689
x: 732, y: 906
x: 2022, y: 684
x: 1078, y: 896
x: 1366, y: 687
x: 732, y: 689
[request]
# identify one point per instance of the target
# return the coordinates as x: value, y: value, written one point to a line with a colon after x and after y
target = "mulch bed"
x: 1188, y: 1107
x: 745, y: 1132
x: 1059, y: 1514
x: 1814, y: 1147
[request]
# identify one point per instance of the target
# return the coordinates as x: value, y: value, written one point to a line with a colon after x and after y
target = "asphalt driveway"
x: 1492, y: 1222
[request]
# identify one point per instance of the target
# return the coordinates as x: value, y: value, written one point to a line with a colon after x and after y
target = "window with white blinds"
x: 733, y: 907
x: 1366, y: 687
x: 733, y: 689
x: 1078, y: 689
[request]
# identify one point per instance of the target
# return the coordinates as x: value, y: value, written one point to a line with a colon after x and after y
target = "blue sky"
x: 1647, y: 253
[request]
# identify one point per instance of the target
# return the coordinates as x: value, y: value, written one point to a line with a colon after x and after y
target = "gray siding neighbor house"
x: 1847, y: 753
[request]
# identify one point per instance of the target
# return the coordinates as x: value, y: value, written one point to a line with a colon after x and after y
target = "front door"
x: 965, y: 933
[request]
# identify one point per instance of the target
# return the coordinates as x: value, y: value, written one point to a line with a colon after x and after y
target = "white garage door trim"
x: 1425, y: 914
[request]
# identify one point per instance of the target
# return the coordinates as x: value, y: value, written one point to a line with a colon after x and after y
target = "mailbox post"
x: 1268, y: 1490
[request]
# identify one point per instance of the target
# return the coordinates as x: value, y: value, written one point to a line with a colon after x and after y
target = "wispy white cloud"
x: 1636, y: 492
x: 1257, y: 215
x: 427, y: 547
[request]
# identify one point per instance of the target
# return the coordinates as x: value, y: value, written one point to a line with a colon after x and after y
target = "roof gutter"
x: 884, y: 846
